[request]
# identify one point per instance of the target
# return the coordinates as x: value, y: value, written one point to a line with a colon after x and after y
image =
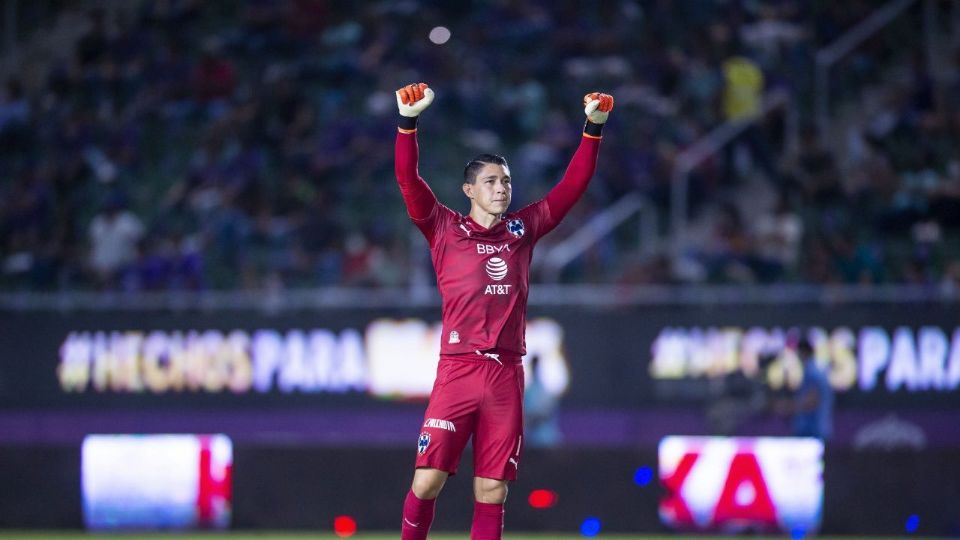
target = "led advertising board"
x: 156, y: 481
x: 739, y: 484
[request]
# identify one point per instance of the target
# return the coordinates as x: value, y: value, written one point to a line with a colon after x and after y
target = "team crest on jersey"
x: 423, y: 442
x: 515, y: 226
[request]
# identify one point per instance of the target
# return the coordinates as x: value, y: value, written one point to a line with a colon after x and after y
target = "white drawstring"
x: 491, y: 355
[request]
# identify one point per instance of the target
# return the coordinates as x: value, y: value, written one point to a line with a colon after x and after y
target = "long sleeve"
x: 417, y: 195
x: 575, y: 180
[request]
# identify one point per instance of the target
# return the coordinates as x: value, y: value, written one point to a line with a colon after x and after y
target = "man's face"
x: 492, y: 190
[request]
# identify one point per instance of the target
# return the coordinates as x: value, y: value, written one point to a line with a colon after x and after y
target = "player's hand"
x: 597, y: 107
x: 412, y: 99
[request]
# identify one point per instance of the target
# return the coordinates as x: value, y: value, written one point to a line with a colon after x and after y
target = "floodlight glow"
x: 643, y: 476
x: 542, y: 498
x: 590, y: 527
x: 913, y: 522
x: 439, y: 35
x: 344, y: 526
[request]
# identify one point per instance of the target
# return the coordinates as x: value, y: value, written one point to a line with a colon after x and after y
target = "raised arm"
x: 417, y: 195
x: 568, y: 191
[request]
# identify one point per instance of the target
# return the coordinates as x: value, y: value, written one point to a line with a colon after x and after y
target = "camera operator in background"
x: 811, y: 406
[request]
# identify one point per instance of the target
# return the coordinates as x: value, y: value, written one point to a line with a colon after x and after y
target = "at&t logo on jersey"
x: 515, y: 226
x: 497, y: 270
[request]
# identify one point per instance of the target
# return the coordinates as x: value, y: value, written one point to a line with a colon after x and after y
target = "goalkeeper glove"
x: 597, y: 107
x: 413, y: 99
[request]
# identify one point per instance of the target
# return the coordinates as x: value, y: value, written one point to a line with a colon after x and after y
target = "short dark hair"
x: 477, y: 163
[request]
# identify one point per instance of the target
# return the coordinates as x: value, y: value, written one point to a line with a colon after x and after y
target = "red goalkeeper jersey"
x: 483, y: 274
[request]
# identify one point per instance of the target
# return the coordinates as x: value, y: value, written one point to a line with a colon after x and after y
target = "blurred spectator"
x: 743, y: 92
x: 165, y: 264
x: 214, y: 79
x: 729, y: 256
x: 945, y: 197
x: 14, y: 107
x: 743, y: 88
x: 815, y: 170
x: 778, y: 235
x: 92, y: 46
x: 114, y: 235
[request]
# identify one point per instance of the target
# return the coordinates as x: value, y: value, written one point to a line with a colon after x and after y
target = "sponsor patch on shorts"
x: 440, y: 424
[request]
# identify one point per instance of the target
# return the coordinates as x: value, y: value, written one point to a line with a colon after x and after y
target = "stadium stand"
x: 189, y: 145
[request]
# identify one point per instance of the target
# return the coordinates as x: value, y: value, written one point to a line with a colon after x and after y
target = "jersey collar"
x: 478, y: 228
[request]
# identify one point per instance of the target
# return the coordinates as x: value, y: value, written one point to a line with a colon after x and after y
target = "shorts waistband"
x: 488, y: 356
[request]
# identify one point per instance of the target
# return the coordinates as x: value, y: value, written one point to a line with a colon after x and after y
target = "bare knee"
x: 427, y: 483
x: 489, y: 490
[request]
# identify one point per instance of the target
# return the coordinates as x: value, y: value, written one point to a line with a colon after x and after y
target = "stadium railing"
x: 603, y: 223
x: 709, y: 145
x: 829, y: 56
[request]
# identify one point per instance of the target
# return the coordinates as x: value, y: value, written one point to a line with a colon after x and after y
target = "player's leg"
x: 489, y: 495
x: 447, y: 426
x: 497, y: 445
x: 489, y: 490
x: 427, y: 482
x: 420, y: 505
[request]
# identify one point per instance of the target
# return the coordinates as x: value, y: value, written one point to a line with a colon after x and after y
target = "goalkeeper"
x: 482, y: 262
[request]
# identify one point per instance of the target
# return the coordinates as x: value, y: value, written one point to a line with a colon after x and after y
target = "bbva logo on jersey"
x: 515, y: 226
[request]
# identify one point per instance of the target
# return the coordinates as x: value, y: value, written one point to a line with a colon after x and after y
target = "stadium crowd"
x: 212, y: 145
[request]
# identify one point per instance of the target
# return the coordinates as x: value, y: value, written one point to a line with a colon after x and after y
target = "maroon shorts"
x: 479, y: 396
